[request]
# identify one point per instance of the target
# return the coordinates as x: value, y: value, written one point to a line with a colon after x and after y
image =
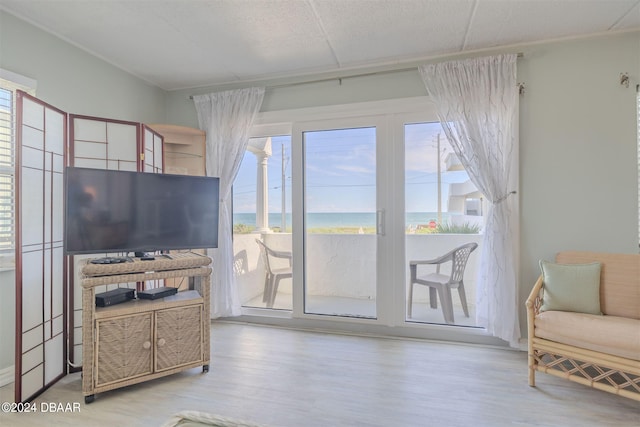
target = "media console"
x: 140, y: 340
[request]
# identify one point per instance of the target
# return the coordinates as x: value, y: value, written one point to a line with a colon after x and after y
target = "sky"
x: 340, y: 170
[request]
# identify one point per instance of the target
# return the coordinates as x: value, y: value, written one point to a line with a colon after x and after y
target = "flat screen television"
x: 120, y: 211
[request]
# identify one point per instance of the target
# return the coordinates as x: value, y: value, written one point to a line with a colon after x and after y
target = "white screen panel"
x: 33, y: 138
x: 47, y: 195
x: 32, y: 158
x: 31, y: 208
x: 32, y: 338
x: 32, y: 382
x: 32, y: 114
x: 123, y: 141
x: 89, y: 163
x: 57, y: 281
x: 89, y: 130
x: 77, y: 349
x: 54, y: 139
x: 57, y: 190
x: 32, y: 358
x: 148, y: 160
x: 90, y: 150
x: 47, y: 285
x: 119, y: 165
x: 77, y: 331
x: 32, y: 297
x: 47, y: 330
x: 157, y: 149
x: 58, y: 163
x: 53, y: 352
x: 58, y: 323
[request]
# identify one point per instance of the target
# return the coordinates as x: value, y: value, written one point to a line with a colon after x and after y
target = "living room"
x: 578, y: 168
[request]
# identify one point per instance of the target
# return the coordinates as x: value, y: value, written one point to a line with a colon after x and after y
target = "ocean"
x: 338, y: 219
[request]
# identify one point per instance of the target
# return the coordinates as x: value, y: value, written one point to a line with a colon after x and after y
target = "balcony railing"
x: 342, y: 270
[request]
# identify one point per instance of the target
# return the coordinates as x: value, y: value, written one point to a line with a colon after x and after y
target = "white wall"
x: 578, y: 161
x: 73, y: 80
x: 578, y: 158
x: 7, y: 319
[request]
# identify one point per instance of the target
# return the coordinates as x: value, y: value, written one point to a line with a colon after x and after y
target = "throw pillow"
x: 571, y: 287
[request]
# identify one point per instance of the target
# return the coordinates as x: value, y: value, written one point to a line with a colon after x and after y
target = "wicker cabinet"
x: 178, y: 334
x: 140, y: 340
x: 123, y: 347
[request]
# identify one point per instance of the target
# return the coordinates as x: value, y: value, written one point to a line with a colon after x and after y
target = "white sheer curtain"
x: 226, y: 117
x: 477, y: 105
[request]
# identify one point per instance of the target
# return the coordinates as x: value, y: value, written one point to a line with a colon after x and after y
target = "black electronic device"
x: 109, y: 211
x: 110, y: 260
x: 156, y: 293
x: 115, y: 296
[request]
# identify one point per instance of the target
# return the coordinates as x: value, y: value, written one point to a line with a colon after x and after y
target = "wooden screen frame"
x: 19, y: 353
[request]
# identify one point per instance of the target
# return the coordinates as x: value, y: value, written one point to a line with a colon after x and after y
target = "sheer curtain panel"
x: 226, y: 117
x: 477, y: 104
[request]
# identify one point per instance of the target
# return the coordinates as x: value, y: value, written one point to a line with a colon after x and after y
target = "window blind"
x: 7, y: 171
x: 8, y: 88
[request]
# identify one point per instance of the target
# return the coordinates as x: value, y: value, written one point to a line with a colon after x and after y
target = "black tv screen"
x: 119, y: 211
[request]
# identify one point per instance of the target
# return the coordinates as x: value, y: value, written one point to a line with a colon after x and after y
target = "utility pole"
x: 439, y: 183
x: 283, y: 210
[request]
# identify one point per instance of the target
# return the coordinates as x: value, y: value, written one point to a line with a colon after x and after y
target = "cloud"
x: 355, y: 169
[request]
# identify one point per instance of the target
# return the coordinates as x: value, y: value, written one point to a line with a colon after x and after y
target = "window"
x: 8, y: 88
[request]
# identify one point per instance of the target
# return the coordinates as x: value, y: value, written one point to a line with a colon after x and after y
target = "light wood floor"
x: 280, y: 377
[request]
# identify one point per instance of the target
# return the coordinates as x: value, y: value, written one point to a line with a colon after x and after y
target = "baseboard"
x: 7, y: 376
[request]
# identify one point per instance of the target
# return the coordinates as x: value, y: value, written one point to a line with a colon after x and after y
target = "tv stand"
x: 141, y: 340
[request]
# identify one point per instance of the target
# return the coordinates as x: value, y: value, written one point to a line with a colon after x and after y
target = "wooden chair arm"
x: 533, y: 304
x: 535, y: 297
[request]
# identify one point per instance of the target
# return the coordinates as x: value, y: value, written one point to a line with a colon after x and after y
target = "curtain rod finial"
x: 624, y: 79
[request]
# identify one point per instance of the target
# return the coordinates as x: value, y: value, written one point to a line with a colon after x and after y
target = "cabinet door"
x: 178, y: 337
x: 123, y: 348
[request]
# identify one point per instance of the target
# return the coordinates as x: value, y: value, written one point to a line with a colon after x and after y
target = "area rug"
x: 201, y: 419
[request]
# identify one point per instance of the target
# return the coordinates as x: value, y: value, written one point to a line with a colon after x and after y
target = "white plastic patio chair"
x: 441, y: 283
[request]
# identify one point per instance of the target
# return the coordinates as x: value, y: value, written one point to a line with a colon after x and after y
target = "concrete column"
x: 261, y: 147
x: 262, y: 194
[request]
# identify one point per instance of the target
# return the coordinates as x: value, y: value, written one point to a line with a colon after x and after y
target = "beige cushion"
x: 606, y: 334
x: 571, y: 287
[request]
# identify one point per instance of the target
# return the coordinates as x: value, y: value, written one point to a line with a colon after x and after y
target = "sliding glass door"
x: 368, y: 195
x: 443, y: 211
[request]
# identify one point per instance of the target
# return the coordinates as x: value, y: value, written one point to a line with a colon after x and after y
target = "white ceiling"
x: 177, y: 44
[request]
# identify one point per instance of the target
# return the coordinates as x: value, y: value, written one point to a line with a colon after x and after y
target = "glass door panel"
x: 443, y: 210
x: 262, y: 224
x: 340, y: 222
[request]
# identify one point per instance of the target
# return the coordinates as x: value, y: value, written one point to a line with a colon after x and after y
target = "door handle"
x: 380, y: 222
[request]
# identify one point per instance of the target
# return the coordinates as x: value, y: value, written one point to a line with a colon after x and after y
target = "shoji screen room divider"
x: 48, y: 303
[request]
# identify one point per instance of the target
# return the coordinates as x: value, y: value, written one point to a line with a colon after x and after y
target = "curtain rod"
x: 351, y: 76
